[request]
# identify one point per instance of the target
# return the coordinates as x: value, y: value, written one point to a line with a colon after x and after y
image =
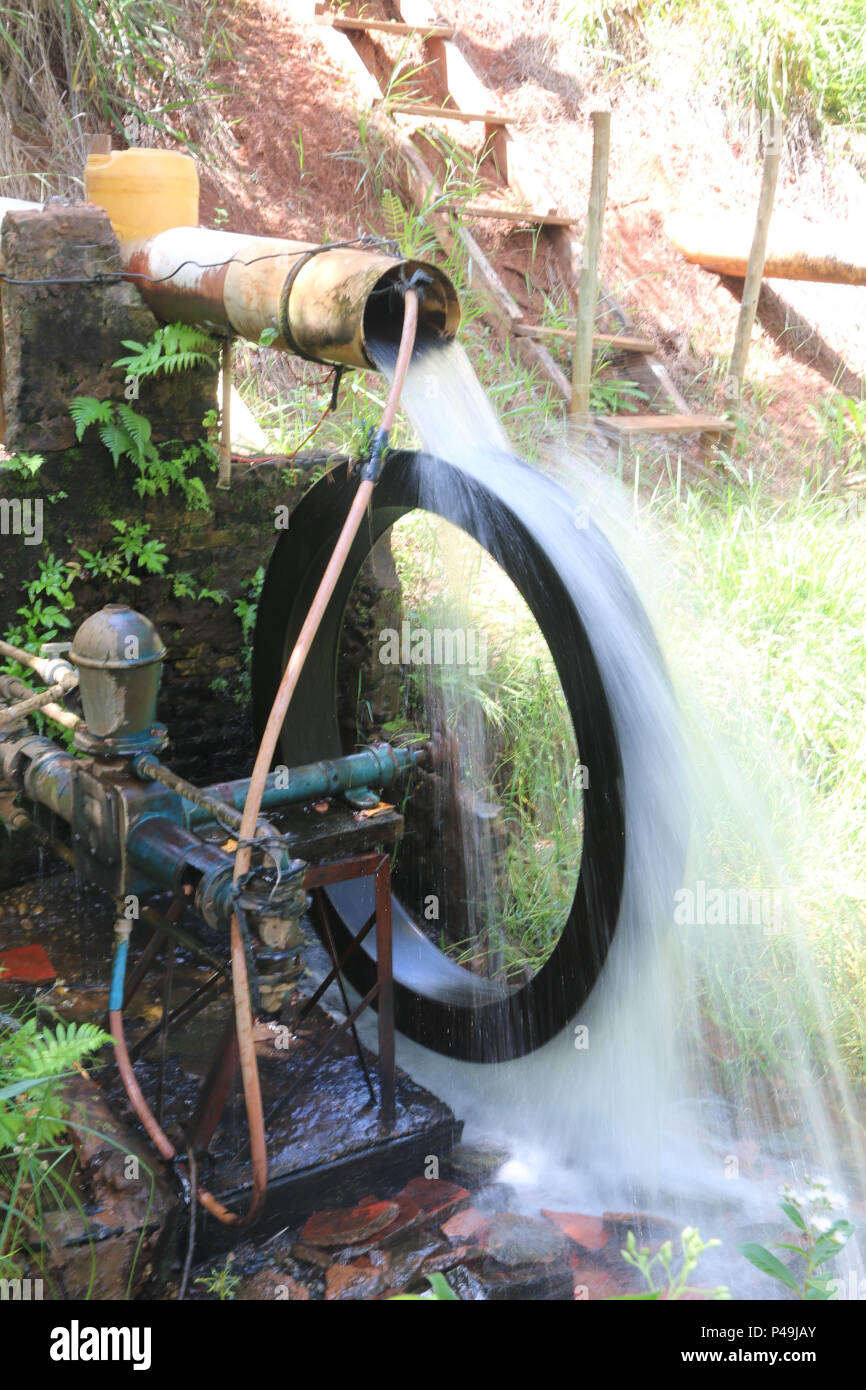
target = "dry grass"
x: 73, y: 67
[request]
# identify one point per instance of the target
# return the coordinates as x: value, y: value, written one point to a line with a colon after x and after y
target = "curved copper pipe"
x: 264, y: 758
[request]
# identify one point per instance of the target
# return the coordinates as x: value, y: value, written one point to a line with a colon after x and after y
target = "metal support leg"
x: 387, y: 1065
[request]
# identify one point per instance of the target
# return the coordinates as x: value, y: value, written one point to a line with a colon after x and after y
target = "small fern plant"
x: 127, y: 433
x: 176, y: 347
x: 34, y: 1117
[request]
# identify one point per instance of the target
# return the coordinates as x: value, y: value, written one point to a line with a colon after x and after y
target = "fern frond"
x: 87, y: 411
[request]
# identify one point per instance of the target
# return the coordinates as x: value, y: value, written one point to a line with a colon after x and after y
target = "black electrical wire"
x: 114, y: 277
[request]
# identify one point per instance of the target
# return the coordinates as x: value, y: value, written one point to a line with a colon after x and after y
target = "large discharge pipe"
x: 325, y: 303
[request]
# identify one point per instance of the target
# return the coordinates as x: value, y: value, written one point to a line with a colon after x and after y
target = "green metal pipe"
x: 376, y: 766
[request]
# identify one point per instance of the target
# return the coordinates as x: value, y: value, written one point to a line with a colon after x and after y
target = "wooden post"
x: 224, y: 477
x: 755, y: 268
x: 581, y: 362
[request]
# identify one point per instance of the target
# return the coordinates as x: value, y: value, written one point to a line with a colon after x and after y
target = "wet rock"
x: 409, y: 1214
x: 407, y: 1259
x: 437, y: 1199
x: 26, y: 965
x: 467, y: 1285
x: 359, y: 1280
x: 515, y: 1241
x: 588, y: 1232
x: 466, y: 1226
x: 311, y: 1255
x: 646, y: 1227
x: 270, y: 1284
x: 348, y: 1225
x: 474, y: 1165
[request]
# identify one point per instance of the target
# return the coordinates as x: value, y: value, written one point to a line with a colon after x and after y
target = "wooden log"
x: 387, y: 26
x: 503, y: 214
x: 617, y: 342
x: 796, y: 250
x: 445, y: 113
x: 665, y: 424
x: 581, y: 361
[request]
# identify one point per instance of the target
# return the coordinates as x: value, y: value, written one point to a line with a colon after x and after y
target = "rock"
x: 271, y: 1284
x: 348, y: 1225
x: 468, y: 1225
x: 589, y: 1232
x: 359, y: 1280
x: 409, y: 1214
x: 311, y: 1255
x: 436, y: 1198
x: 408, y: 1257
x: 515, y: 1241
x: 474, y: 1165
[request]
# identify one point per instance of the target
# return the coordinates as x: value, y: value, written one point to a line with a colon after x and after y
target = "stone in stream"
x: 474, y: 1165
x: 515, y: 1241
x: 588, y: 1232
x: 348, y: 1226
x: 359, y: 1280
x: 437, y: 1199
x: 271, y: 1284
x: 467, y: 1225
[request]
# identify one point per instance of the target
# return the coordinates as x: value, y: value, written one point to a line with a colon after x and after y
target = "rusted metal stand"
x: 319, y: 876
x: 217, y: 1085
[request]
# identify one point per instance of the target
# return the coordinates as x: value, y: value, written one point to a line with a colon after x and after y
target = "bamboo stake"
x: 581, y: 362
x: 224, y: 478
x: 755, y: 267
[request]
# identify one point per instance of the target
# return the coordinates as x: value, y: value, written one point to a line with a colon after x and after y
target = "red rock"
x: 449, y: 1258
x: 589, y: 1232
x: 435, y: 1197
x: 467, y: 1225
x: 408, y: 1215
x: 28, y: 965
x: 348, y: 1225
x: 358, y: 1280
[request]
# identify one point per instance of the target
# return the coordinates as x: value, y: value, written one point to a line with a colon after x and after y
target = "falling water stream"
x: 637, y: 1105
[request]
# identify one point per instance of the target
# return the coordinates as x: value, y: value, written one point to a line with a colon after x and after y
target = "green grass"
x: 72, y: 67
x: 515, y: 749
x: 797, y: 56
x: 779, y: 658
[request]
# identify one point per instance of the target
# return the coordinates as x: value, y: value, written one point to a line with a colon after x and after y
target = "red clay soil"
x: 293, y: 114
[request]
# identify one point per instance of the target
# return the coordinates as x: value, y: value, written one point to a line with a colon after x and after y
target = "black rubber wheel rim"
x: 438, y: 1003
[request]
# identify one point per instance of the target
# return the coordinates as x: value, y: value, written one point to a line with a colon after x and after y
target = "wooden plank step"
x: 383, y: 26
x: 447, y: 113
x: 618, y: 342
x: 666, y: 424
x: 502, y: 214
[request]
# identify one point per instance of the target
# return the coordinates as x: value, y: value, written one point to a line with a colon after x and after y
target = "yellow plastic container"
x: 143, y: 191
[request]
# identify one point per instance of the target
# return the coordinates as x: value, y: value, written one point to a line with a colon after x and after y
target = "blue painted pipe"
x: 118, y: 973
x: 376, y: 766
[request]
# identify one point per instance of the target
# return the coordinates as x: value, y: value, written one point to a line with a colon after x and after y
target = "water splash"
x: 707, y: 1075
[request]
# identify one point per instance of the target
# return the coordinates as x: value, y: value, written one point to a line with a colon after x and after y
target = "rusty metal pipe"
x: 323, y: 303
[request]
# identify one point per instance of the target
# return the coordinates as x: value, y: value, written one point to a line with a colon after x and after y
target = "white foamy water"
x: 653, y: 1114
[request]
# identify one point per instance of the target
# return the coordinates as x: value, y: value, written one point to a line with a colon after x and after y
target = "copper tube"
x: 136, y: 1098
x: 264, y: 757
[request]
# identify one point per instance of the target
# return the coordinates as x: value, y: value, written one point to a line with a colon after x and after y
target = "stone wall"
x: 58, y: 341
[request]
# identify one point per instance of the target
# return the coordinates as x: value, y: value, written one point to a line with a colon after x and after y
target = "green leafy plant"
x: 246, y: 609
x: 175, y: 347
x: 820, y: 1238
x: 221, y: 1281
x: 34, y: 1116
x: 662, y: 1279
